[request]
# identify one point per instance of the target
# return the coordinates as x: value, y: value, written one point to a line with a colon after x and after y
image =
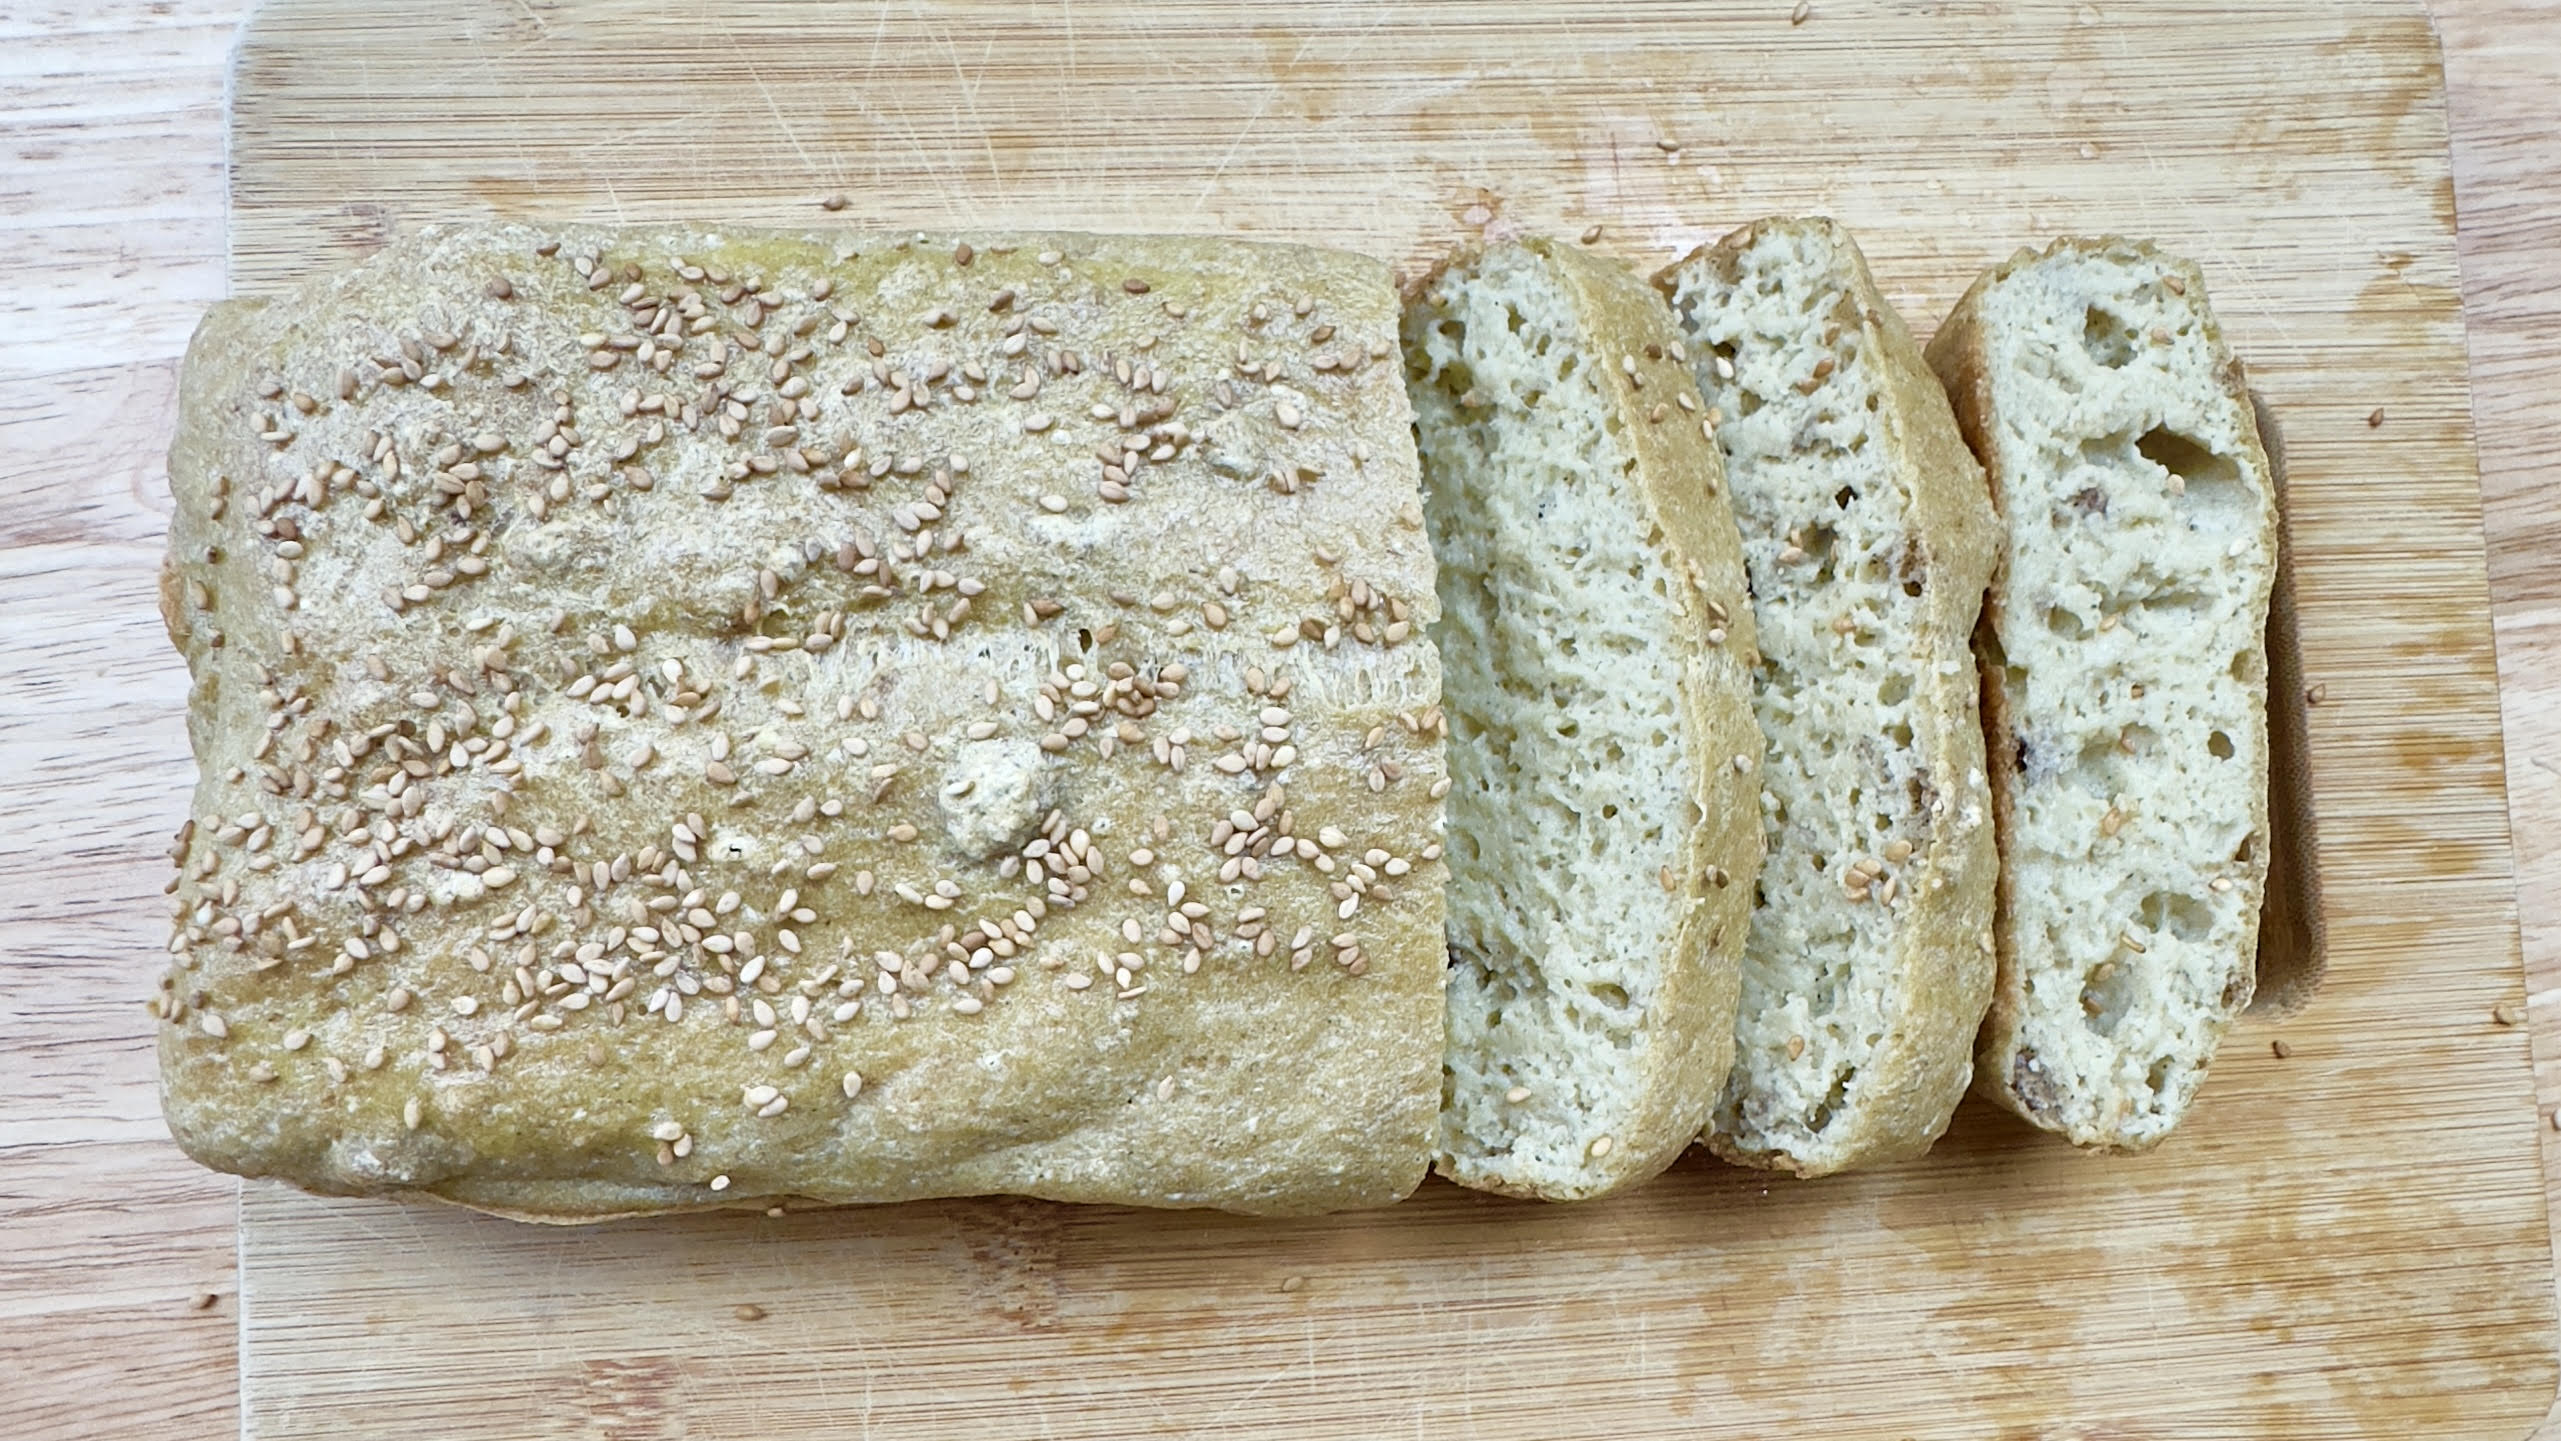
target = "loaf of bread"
x: 695, y: 717
x: 2125, y: 672
x: 1870, y: 539
x: 1604, y: 766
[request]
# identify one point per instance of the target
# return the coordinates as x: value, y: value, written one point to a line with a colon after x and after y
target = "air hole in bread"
x: 2064, y: 623
x: 2219, y: 746
x: 2106, y: 336
x: 1820, y: 1117
x: 2097, y: 762
x: 1896, y: 689
x: 2107, y: 990
x: 2167, y: 913
x: 2210, y: 482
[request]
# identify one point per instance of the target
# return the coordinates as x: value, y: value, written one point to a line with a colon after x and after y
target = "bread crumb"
x: 203, y: 1301
x: 835, y: 201
x: 2507, y: 1013
x: 749, y: 1312
x: 2374, y: 418
x: 2280, y: 1049
x: 1294, y: 1284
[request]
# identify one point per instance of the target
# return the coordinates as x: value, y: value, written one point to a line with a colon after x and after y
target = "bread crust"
x: 737, y: 577
x: 1680, y: 477
x: 1941, y: 963
x: 1959, y: 355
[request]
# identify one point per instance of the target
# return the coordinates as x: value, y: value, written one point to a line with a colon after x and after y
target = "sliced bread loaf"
x: 2125, y: 679
x: 1597, y: 652
x: 1869, y: 539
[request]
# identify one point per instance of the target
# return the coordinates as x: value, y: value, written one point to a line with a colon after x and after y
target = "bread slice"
x: 1869, y: 539
x: 1597, y: 645
x: 2125, y: 679
x: 694, y: 716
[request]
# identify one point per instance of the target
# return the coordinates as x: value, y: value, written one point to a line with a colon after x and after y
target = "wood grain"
x: 111, y: 202
x: 2305, y: 164
x: 112, y: 170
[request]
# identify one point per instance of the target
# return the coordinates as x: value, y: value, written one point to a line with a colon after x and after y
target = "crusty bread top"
x: 693, y: 715
x: 1603, y: 756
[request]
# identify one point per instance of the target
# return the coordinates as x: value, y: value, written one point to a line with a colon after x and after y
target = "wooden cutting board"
x: 2348, y: 1240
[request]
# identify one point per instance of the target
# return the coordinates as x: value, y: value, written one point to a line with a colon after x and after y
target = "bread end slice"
x: 2125, y: 679
x: 1870, y: 538
x: 1597, y: 645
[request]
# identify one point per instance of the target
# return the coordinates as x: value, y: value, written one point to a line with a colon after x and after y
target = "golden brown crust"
x: 1958, y: 354
x: 1911, y: 1082
x: 467, y: 670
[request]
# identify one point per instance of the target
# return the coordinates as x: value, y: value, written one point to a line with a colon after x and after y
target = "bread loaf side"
x: 1870, y: 539
x: 1598, y: 643
x: 2125, y: 679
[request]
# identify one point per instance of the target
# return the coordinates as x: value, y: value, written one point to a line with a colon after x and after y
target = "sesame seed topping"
x: 524, y: 834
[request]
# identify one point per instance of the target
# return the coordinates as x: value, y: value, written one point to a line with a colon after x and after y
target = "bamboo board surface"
x: 2349, y: 1241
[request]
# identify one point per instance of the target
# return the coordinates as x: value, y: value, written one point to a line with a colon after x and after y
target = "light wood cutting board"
x: 2347, y: 1241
